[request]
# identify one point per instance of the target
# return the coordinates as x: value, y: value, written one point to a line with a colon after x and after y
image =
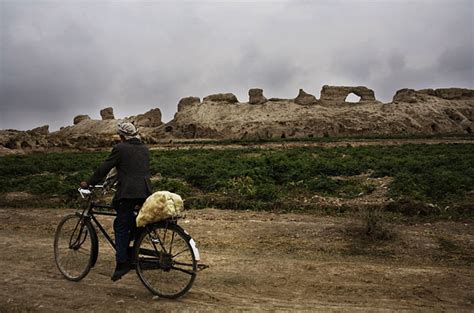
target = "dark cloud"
x: 59, y: 59
x: 396, y: 61
x: 457, y: 63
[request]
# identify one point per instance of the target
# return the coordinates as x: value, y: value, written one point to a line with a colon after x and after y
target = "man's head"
x: 127, y: 131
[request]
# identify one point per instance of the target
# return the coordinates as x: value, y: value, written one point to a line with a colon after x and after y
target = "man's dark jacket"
x: 131, y: 158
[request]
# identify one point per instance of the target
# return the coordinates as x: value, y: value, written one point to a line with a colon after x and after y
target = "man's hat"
x: 127, y: 129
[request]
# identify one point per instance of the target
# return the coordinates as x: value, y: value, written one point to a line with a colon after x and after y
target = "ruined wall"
x: 447, y: 110
x: 338, y: 94
x: 256, y: 96
x: 222, y: 116
x: 330, y: 95
x: 412, y: 96
x: 151, y: 118
x: 107, y: 113
x: 304, y: 98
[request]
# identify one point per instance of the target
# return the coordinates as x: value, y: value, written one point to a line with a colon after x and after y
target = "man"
x: 131, y: 159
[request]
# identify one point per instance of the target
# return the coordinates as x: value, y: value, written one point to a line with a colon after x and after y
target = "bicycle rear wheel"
x: 165, y: 260
x: 75, y: 247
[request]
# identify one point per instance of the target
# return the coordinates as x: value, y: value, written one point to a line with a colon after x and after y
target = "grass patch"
x: 441, y: 174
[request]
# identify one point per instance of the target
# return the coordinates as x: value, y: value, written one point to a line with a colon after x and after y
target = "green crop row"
x: 440, y: 173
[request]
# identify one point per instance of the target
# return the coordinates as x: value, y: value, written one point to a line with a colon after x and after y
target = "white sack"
x: 159, y: 206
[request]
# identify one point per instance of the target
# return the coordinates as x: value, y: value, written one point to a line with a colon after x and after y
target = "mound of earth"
x: 11, y: 140
x: 85, y: 133
x: 426, y: 111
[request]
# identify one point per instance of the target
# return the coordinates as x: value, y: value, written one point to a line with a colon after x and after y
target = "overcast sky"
x: 63, y: 58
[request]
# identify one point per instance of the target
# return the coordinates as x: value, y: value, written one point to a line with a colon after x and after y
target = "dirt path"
x: 188, y: 144
x: 258, y: 261
x: 293, y: 144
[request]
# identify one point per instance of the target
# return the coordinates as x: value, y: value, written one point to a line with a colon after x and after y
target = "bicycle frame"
x: 90, y: 214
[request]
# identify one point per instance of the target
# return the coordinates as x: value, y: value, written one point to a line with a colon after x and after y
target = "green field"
x: 277, y: 179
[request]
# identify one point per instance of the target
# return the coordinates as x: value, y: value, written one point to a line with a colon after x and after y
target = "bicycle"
x: 164, y: 255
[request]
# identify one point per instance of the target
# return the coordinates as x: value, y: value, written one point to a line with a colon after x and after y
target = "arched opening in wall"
x: 352, y: 98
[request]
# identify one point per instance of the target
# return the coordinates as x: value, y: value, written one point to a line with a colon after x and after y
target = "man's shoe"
x: 120, y: 270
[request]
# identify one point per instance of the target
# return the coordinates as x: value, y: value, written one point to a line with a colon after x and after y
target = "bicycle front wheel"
x: 165, y: 260
x: 75, y: 247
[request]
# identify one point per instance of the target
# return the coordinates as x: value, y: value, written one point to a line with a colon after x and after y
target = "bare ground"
x: 179, y: 144
x: 353, y: 142
x: 258, y: 261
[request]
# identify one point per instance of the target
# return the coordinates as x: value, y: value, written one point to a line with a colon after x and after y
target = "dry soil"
x: 257, y: 261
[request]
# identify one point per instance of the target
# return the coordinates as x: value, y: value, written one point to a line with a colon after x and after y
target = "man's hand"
x: 84, y: 185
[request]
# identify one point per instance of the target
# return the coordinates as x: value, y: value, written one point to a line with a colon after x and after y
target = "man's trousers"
x: 124, y: 226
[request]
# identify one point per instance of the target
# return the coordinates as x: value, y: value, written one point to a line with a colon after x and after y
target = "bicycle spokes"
x: 165, y: 260
x: 75, y: 247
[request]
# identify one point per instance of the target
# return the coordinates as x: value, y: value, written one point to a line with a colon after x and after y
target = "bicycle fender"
x: 192, y: 243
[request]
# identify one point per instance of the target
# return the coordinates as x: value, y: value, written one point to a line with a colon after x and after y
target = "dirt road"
x: 353, y: 142
x: 258, y: 261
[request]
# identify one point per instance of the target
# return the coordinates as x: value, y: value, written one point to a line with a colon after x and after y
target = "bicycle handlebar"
x: 87, y: 192
x: 84, y: 192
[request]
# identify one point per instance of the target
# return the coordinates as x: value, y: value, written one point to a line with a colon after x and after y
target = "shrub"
x: 267, y: 193
x: 408, y: 185
x: 375, y: 225
x: 338, y: 187
x: 323, y: 184
x: 240, y: 186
